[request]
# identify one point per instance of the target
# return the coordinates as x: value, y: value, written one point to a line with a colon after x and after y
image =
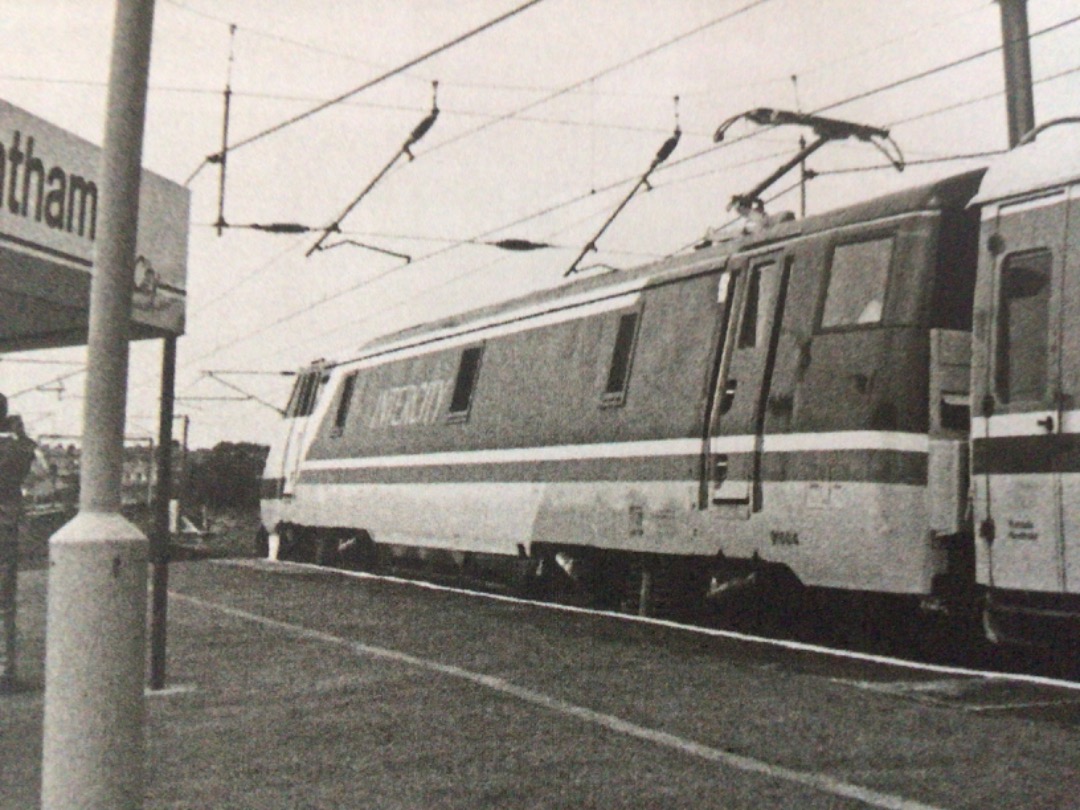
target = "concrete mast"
x: 96, y: 623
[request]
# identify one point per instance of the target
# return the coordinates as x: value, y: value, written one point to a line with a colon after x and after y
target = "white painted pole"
x: 96, y: 622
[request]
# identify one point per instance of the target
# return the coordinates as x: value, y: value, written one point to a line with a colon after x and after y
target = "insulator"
x: 422, y: 128
x: 667, y: 148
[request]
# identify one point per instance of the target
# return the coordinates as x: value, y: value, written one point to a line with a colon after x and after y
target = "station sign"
x: 50, y: 209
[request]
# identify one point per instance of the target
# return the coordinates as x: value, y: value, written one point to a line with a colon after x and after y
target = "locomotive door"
x: 1023, y: 440
x: 738, y: 418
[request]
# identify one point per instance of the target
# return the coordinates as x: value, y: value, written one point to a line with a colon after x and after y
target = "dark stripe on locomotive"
x: 864, y: 466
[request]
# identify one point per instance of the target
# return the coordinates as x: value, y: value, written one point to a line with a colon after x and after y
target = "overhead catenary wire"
x: 368, y: 281
x: 662, y: 154
x: 921, y: 162
x: 941, y: 68
x: 571, y: 201
x: 295, y: 119
x: 39, y: 386
x: 694, y: 156
x: 977, y: 7
x: 650, y: 51
x: 977, y: 99
x: 562, y: 91
x: 418, y: 132
x: 870, y: 93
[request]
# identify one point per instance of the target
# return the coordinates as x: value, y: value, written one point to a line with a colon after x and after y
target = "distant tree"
x: 226, y: 475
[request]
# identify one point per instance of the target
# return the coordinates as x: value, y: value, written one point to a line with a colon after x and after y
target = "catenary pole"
x: 96, y: 620
x: 1016, y: 51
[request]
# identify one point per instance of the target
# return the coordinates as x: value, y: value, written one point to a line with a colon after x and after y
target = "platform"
x: 293, y: 687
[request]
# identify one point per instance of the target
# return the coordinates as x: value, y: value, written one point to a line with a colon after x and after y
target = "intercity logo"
x: 63, y: 200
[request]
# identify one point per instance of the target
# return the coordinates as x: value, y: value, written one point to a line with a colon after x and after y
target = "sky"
x: 546, y: 121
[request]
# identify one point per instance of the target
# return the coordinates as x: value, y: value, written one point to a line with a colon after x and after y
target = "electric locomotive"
x: 792, y: 406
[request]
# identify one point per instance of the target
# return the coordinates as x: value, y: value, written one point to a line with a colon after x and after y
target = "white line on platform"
x: 169, y: 691
x: 795, y: 646
x: 1012, y: 707
x: 817, y: 781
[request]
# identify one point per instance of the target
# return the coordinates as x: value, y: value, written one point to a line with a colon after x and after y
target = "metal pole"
x: 802, y: 179
x: 220, y: 225
x: 1016, y: 51
x: 96, y: 621
x: 159, y: 542
x: 183, y: 458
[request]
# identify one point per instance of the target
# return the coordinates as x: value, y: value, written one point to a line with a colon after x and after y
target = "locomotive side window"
x: 621, y: 357
x: 468, y: 371
x: 760, y: 288
x: 348, y: 386
x: 857, y: 281
x: 1023, y: 335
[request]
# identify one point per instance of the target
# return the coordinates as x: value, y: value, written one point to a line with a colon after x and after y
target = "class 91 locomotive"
x: 879, y: 399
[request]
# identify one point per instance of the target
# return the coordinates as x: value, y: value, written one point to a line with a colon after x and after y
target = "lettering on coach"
x: 64, y: 201
x: 418, y: 404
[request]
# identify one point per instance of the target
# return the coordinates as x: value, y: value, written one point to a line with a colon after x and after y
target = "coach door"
x: 1025, y: 440
x: 738, y: 419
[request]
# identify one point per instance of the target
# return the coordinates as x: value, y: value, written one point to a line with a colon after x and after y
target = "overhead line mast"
x: 222, y: 157
x: 1016, y: 52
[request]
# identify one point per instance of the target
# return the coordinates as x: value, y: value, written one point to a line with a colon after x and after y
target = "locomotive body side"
x: 775, y: 401
x: 513, y: 432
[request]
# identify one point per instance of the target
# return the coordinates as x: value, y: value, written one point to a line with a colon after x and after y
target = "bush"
x: 227, y: 475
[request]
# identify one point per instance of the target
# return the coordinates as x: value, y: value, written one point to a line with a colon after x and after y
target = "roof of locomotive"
x: 952, y: 192
x: 1050, y: 160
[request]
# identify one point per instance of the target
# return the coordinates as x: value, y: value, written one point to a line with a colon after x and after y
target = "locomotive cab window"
x: 858, y: 277
x: 465, y: 383
x: 1023, y: 333
x: 348, y: 386
x: 622, y: 355
x: 302, y: 401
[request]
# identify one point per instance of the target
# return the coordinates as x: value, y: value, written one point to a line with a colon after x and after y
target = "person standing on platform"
x: 16, y: 458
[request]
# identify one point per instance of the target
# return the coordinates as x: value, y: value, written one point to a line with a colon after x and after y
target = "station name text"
x: 32, y: 189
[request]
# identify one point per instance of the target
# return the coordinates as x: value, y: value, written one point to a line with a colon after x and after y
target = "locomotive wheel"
x: 292, y: 544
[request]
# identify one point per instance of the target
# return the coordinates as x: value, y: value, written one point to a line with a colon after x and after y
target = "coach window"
x: 348, y: 386
x: 465, y: 383
x: 622, y: 356
x: 857, y: 280
x: 1023, y: 333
